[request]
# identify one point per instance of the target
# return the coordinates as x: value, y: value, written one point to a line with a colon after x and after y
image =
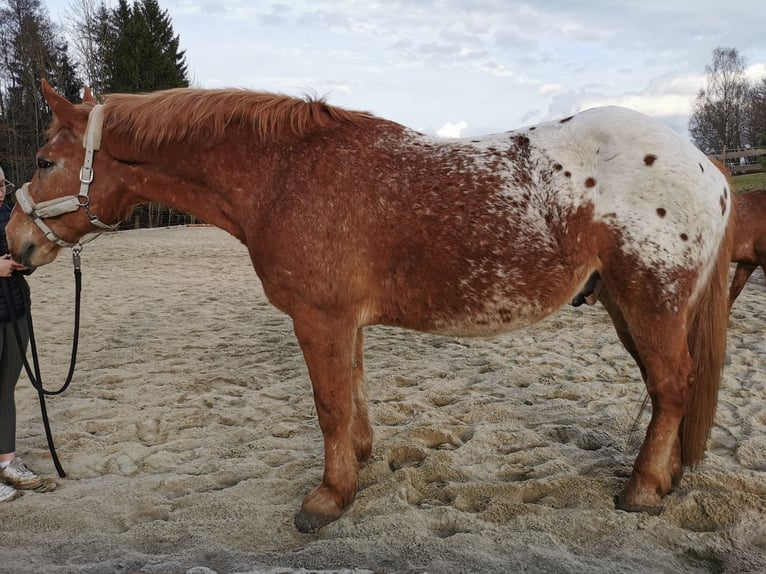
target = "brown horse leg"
x: 328, y: 348
x: 361, y: 429
x: 741, y: 275
x: 663, y: 346
x: 623, y: 332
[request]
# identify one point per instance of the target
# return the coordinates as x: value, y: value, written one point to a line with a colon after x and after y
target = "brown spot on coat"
x: 522, y: 141
x: 661, y: 211
x: 684, y: 237
x: 558, y: 166
x: 649, y: 158
x: 723, y: 206
x: 565, y: 120
x: 590, y: 182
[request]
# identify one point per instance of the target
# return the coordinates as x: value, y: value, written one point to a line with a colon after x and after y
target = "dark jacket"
x: 17, y: 285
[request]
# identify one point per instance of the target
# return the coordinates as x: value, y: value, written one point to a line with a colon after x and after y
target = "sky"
x: 468, y: 67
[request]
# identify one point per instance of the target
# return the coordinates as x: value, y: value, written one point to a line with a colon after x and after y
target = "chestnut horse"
x: 352, y: 220
x: 749, y: 239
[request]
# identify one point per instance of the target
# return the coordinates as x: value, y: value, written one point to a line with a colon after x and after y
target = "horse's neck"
x: 229, y: 183
x: 210, y: 185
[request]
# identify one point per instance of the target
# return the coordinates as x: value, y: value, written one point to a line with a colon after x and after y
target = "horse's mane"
x: 163, y: 117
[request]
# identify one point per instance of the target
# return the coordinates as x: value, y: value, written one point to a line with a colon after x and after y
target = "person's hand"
x: 7, y: 266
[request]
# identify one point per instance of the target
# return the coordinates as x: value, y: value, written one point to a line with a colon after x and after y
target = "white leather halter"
x: 70, y: 203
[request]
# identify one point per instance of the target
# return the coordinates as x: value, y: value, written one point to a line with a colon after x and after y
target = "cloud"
x: 495, y: 63
x: 669, y: 98
x: 756, y: 72
x: 549, y: 89
x: 452, y: 130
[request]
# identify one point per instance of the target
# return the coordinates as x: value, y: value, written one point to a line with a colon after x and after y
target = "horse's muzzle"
x: 25, y: 257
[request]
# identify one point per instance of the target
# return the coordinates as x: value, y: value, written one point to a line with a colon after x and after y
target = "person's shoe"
x: 20, y: 477
x: 8, y: 493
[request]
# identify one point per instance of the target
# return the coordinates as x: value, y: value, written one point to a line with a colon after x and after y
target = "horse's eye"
x: 43, y: 163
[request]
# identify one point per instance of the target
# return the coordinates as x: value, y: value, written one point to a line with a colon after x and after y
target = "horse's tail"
x: 708, y: 322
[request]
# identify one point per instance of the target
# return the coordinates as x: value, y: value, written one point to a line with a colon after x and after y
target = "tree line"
x: 125, y: 48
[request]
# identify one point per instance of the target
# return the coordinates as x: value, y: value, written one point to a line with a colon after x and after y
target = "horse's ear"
x: 63, y: 109
x: 87, y: 95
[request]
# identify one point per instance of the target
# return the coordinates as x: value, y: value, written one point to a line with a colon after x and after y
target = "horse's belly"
x: 478, y: 320
x: 489, y: 323
x: 481, y: 303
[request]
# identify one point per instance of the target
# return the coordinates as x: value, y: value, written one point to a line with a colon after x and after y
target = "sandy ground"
x: 189, y: 437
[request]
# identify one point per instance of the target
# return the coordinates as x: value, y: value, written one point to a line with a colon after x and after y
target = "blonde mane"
x: 168, y: 116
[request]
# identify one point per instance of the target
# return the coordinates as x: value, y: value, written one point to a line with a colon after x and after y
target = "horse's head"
x: 56, y: 209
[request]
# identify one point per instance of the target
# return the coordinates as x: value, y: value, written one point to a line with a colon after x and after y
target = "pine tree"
x: 143, y: 53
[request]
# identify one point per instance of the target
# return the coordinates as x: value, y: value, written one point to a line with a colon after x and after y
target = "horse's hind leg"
x: 626, y: 338
x: 741, y: 275
x: 328, y: 346
x: 623, y: 332
x: 661, y: 343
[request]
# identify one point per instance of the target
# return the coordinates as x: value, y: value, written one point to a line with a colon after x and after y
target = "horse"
x: 749, y: 239
x: 351, y: 220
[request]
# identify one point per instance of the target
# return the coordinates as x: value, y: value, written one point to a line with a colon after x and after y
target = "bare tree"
x: 756, y: 115
x: 719, y: 118
x: 87, y: 25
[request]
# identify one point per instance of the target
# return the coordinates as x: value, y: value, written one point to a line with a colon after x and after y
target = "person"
x: 14, y: 476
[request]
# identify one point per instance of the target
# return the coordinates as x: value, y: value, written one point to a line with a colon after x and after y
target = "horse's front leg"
x: 328, y: 346
x: 361, y: 427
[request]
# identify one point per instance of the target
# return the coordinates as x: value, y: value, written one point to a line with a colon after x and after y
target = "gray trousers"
x: 11, y: 363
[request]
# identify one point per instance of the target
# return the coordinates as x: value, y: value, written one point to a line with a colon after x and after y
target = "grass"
x: 749, y: 182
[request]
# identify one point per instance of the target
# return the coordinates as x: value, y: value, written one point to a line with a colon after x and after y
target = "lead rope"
x: 36, y: 377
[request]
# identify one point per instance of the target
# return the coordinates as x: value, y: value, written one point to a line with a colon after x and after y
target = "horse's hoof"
x: 309, y: 521
x: 622, y: 503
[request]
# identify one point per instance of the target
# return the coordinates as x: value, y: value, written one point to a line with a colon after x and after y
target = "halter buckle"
x: 86, y: 174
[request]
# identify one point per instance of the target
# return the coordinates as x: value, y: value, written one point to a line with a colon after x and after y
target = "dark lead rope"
x: 36, y: 378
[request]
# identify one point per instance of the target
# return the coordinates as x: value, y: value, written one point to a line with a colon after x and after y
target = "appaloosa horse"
x: 749, y: 239
x: 352, y: 220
